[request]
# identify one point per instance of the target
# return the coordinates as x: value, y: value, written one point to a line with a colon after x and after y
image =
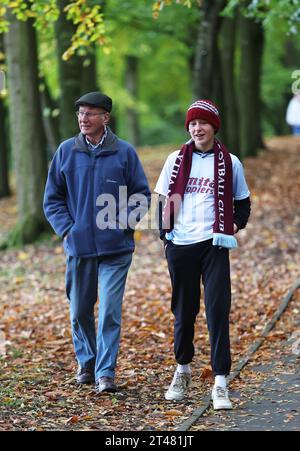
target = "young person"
x: 204, y: 200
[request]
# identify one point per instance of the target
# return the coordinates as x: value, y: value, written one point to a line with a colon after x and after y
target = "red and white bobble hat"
x: 206, y: 110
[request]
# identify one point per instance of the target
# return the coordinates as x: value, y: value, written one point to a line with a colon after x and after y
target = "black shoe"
x: 85, y: 376
x: 106, y: 384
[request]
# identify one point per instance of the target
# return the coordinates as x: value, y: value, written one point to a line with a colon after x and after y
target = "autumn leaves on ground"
x: 37, y: 366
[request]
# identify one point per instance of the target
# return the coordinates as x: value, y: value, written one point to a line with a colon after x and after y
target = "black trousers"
x: 187, y: 264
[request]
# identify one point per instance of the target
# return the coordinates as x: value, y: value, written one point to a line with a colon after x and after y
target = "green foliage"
x: 158, y: 5
x: 164, y: 48
x: 48, y: 66
x: 85, y: 15
x: 164, y: 52
x: 278, y: 67
x: 90, y: 26
x: 270, y: 12
x: 42, y: 11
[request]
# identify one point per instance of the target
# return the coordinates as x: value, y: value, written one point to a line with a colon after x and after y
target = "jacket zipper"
x: 93, y: 200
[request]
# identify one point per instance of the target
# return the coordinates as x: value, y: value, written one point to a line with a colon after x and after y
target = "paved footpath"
x: 267, y: 395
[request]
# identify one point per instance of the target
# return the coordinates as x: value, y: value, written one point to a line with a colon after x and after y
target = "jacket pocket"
x: 80, y: 240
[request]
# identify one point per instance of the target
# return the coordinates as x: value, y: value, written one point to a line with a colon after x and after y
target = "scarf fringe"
x: 227, y: 241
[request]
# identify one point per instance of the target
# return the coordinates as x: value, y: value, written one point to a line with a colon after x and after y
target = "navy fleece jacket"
x: 76, y: 179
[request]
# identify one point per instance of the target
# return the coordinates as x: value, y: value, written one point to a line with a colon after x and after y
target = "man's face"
x: 203, y: 133
x: 92, y: 120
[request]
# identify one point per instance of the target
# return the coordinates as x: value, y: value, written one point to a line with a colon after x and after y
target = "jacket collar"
x: 110, y: 144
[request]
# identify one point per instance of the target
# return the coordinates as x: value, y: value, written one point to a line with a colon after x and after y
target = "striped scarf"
x: 223, y: 229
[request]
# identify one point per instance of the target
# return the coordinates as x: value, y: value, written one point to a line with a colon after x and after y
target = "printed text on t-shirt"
x: 200, y: 185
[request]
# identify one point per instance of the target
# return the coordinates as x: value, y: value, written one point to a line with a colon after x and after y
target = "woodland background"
x: 153, y: 58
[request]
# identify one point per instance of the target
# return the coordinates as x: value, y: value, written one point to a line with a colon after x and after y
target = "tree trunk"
x: 252, y: 44
x: 69, y: 75
x: 218, y: 95
x: 76, y: 76
x: 27, y: 133
x: 4, y: 165
x: 227, y: 45
x: 131, y: 83
x: 50, y: 120
x: 206, y: 46
x: 89, y: 71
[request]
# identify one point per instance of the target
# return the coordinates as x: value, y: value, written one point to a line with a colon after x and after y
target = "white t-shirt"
x: 293, y: 111
x: 196, y: 215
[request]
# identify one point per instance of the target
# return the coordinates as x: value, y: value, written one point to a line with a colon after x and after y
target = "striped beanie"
x: 206, y: 110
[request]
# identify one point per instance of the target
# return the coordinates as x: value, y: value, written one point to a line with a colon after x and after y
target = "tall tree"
x: 50, y: 120
x: 4, y: 167
x: 69, y: 74
x: 76, y: 75
x: 26, y: 130
x: 206, y: 48
x: 88, y: 65
x: 218, y: 94
x: 227, y: 46
x: 250, y: 105
x: 131, y: 84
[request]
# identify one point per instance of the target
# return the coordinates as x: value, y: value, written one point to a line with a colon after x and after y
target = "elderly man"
x: 88, y: 172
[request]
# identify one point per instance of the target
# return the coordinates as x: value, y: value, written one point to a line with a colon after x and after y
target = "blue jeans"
x: 83, y: 275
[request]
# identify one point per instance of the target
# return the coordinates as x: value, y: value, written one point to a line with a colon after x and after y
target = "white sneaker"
x: 220, y: 398
x: 179, y: 386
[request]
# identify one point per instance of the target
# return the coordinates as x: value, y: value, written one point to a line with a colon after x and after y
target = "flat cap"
x: 96, y: 99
